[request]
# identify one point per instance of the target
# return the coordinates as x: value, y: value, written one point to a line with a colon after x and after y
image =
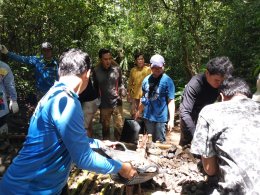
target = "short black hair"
x: 234, y: 85
x: 220, y: 66
x: 74, y: 62
x: 103, y: 51
x: 138, y: 54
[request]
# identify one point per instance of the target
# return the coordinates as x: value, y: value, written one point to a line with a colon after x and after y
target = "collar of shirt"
x: 70, y: 92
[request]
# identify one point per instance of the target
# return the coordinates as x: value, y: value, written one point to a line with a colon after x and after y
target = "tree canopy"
x: 186, y: 33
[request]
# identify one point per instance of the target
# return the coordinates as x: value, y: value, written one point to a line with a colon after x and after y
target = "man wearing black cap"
x: 46, y: 67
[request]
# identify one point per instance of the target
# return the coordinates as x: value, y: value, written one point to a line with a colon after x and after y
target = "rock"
x: 178, y: 151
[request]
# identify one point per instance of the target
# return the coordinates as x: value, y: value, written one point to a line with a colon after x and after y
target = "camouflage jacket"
x: 230, y: 130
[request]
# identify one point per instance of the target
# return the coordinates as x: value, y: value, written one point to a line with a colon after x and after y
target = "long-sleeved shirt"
x: 7, y: 88
x: 56, y: 138
x: 46, y: 72
x: 197, y: 94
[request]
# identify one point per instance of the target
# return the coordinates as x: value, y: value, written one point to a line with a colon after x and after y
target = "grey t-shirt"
x: 230, y: 130
x: 108, y: 82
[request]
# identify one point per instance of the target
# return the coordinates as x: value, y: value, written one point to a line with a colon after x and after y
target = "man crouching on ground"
x: 227, y: 138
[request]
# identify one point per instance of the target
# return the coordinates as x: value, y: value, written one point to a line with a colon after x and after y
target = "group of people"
x: 225, y: 133
x: 227, y: 139
x: 221, y: 122
x: 46, y: 72
x: 57, y: 126
x: 56, y: 131
x: 145, y: 84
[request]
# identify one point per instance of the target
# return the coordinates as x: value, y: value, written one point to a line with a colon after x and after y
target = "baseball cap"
x: 157, y: 60
x: 46, y: 45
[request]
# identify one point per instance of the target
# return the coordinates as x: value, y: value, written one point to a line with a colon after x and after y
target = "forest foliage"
x: 186, y: 33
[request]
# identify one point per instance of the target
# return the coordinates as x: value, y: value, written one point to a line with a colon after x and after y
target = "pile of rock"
x: 179, y: 173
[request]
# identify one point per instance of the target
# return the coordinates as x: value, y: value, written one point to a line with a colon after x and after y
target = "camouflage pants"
x: 105, y: 117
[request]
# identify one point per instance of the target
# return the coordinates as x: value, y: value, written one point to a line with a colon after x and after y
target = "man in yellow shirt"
x: 136, y: 77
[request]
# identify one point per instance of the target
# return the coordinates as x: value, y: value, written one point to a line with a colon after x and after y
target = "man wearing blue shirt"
x: 157, y: 103
x: 45, y: 66
x: 57, y: 137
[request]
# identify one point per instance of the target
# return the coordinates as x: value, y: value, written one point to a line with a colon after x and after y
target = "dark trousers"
x: 186, y: 136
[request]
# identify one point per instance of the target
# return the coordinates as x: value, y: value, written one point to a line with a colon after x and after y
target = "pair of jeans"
x: 157, y: 129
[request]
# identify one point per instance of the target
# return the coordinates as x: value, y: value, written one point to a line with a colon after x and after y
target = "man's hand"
x: 210, y: 165
x: 170, y: 125
x: 127, y: 171
x: 13, y: 106
x: 3, y: 49
x: 137, y: 115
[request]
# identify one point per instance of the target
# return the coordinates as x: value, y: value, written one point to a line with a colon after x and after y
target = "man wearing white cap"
x: 157, y: 102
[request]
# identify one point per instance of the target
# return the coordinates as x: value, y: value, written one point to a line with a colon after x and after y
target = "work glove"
x: 3, y: 49
x: 13, y: 106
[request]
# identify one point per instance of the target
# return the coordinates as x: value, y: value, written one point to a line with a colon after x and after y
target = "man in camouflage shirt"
x: 227, y: 137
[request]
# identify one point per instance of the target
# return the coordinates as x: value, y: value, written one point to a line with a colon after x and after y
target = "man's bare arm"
x: 210, y: 165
